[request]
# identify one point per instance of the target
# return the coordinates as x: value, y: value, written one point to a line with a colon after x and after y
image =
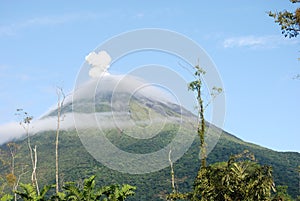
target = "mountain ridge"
x: 128, y: 120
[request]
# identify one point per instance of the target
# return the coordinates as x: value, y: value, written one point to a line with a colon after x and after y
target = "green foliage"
x: 72, y: 192
x: 197, y: 83
x: 7, y: 197
x: 233, y: 180
x: 117, y: 192
x: 76, y: 164
x: 281, y: 194
x: 196, y: 87
x: 288, y: 21
x: 30, y: 193
x: 88, y: 192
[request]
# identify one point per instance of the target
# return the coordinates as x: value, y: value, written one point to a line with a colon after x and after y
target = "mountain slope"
x: 76, y: 164
x: 140, y: 123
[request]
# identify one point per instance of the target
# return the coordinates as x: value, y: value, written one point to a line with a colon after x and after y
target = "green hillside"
x: 148, y: 116
x: 76, y: 163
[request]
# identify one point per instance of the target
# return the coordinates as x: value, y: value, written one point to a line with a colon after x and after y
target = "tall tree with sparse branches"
x: 12, y: 179
x: 196, y: 86
x: 25, y: 122
x: 60, y: 101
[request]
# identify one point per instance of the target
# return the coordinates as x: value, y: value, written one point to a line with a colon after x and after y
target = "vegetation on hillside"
x: 242, y: 177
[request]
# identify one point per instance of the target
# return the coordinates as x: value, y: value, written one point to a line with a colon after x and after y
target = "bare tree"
x: 18, y: 181
x: 13, y: 147
x: 172, y: 173
x: 60, y: 101
x: 25, y: 123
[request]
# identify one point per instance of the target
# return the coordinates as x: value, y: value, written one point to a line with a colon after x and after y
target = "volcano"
x: 143, y: 123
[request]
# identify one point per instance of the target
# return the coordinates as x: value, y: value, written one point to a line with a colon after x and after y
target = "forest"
x: 56, y: 164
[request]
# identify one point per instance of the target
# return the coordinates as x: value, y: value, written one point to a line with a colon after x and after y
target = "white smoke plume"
x: 99, y: 63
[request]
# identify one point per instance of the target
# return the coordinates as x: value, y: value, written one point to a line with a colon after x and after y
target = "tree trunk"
x: 60, y: 94
x: 56, y: 149
x: 201, y: 129
x: 172, y: 173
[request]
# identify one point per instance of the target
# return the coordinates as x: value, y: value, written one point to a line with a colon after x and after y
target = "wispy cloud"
x: 13, y: 28
x: 13, y: 130
x: 269, y: 41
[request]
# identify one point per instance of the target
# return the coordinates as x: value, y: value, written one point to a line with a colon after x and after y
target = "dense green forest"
x: 76, y: 164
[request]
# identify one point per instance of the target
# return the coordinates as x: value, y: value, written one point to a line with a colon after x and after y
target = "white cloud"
x: 271, y: 41
x: 13, y: 131
x: 10, y: 131
x: 97, y: 72
x: 101, y: 59
x: 99, y: 63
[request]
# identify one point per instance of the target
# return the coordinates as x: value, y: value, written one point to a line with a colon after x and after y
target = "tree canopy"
x: 288, y: 21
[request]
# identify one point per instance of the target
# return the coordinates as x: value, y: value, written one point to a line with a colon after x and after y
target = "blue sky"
x: 43, y: 45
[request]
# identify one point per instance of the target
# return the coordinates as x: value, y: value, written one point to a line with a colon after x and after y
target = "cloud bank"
x: 115, y: 83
